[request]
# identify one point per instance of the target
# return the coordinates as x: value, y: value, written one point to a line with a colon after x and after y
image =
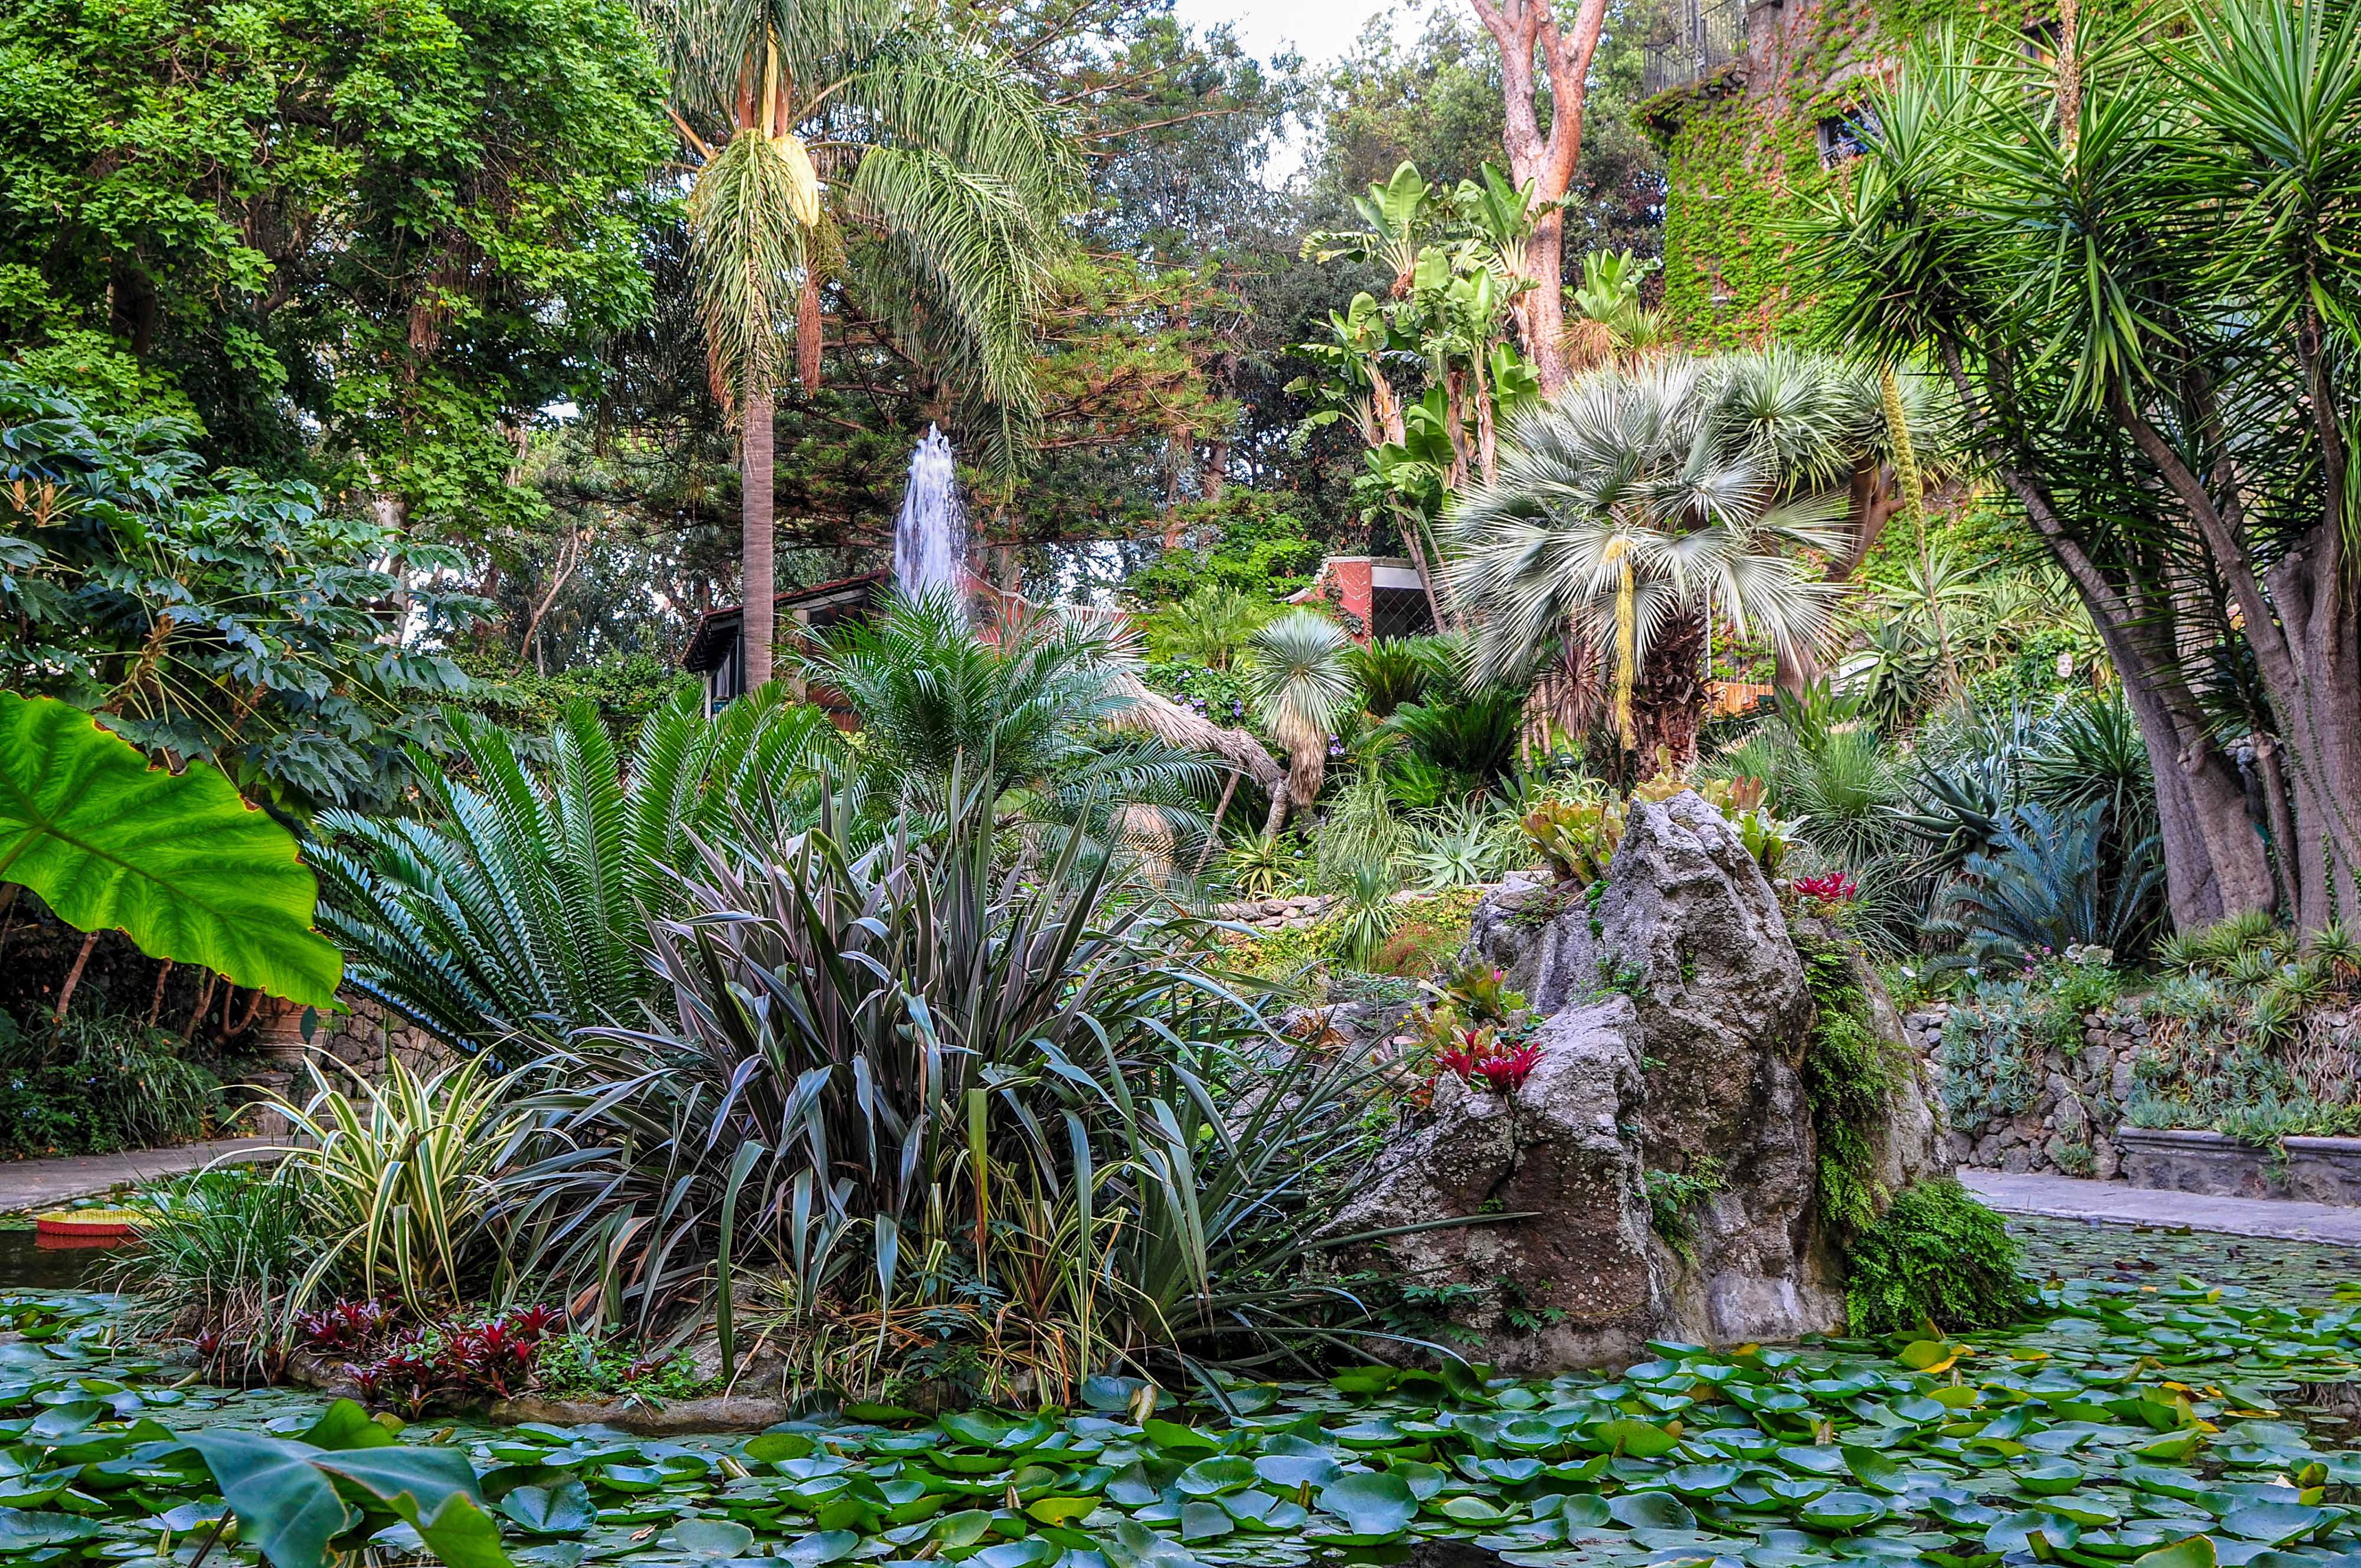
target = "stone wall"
x: 2069, y: 1129
x: 364, y: 1038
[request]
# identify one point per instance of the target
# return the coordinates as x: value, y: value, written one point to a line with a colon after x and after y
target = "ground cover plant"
x: 2120, y: 1422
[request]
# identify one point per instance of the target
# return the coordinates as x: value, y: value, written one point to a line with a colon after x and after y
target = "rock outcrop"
x: 1677, y: 1022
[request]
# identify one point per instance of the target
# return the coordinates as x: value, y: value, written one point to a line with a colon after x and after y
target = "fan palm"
x: 1302, y: 688
x: 512, y: 908
x: 866, y: 141
x: 1629, y: 509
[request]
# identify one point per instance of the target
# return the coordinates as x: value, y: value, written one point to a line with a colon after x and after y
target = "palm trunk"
x: 1668, y: 704
x: 755, y: 535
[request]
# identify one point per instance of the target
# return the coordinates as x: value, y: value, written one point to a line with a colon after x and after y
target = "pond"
x: 2139, y: 1419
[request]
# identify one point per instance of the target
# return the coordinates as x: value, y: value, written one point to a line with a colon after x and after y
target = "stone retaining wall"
x: 2070, y: 1128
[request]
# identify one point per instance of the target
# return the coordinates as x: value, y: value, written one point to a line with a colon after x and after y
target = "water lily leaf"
x: 2016, y: 1531
x: 1469, y: 1509
x: 1649, y: 1510
x: 1211, y: 1477
x: 1637, y: 1439
x: 1060, y: 1510
x: 1205, y: 1522
x: 2197, y: 1551
x: 1290, y: 1471
x: 1841, y: 1511
x: 1374, y: 1506
x: 824, y: 1546
x: 1701, y: 1480
x: 24, y: 1531
x: 2050, y: 1479
x: 1876, y: 1471
x: 1018, y: 1554
x: 550, y: 1510
x: 773, y: 1446
x: 1174, y: 1436
x: 1108, y: 1393
x: 2277, y: 1523
x: 711, y: 1538
x: 1423, y: 1480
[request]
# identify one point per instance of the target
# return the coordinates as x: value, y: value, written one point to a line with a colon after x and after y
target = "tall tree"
x: 945, y: 179
x: 1543, y: 164
x: 2141, y: 284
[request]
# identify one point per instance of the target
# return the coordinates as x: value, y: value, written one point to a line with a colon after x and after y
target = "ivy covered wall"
x: 1742, y: 155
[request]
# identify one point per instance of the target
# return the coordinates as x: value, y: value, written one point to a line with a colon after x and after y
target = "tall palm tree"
x: 866, y: 143
x: 1302, y: 687
x: 1639, y: 501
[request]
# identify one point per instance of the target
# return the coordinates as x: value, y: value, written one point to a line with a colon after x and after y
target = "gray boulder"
x: 1678, y: 1021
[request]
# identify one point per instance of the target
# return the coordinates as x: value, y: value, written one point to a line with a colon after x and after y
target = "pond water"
x: 2140, y: 1414
x: 32, y: 1262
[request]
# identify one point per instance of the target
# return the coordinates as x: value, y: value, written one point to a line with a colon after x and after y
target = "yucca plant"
x: 511, y: 908
x: 397, y: 1178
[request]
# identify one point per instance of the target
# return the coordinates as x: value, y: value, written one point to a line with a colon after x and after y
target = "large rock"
x: 1677, y: 1022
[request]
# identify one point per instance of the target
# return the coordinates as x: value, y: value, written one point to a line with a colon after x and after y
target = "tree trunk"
x: 1668, y: 703
x: 755, y: 535
x: 1544, y: 165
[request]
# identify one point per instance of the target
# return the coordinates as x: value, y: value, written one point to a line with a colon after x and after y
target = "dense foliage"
x: 1935, y: 1256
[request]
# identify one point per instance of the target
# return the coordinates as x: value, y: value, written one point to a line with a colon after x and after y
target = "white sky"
x: 1319, y: 29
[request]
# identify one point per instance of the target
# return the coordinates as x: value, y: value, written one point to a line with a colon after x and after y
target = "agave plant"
x: 512, y: 909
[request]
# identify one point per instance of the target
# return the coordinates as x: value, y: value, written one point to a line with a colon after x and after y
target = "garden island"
x: 857, y: 781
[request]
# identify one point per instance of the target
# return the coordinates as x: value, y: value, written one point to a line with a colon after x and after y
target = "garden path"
x: 45, y: 1183
x: 2114, y: 1203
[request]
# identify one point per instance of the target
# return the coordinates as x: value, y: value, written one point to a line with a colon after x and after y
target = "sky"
x: 1320, y: 30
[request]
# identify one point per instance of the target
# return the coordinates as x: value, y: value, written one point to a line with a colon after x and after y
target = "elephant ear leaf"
x: 182, y: 865
x: 290, y: 1497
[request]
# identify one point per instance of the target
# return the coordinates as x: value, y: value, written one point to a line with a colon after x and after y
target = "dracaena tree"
x: 860, y: 148
x: 2135, y: 265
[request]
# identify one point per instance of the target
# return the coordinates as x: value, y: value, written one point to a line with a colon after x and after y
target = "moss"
x: 1935, y: 1256
x: 1848, y: 1079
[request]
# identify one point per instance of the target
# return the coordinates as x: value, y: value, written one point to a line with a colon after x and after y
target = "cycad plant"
x: 1302, y: 690
x: 862, y: 142
x: 512, y: 907
x: 2047, y: 887
x: 1629, y: 512
x: 1033, y: 714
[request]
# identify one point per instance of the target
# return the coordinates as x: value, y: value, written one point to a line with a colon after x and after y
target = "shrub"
x: 1935, y: 1256
x: 92, y: 1085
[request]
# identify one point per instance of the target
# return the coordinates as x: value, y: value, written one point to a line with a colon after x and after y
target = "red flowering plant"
x: 1835, y: 887
x: 1476, y: 1029
x: 407, y: 1367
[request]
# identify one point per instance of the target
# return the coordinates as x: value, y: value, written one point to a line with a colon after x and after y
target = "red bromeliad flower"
x: 1505, y: 1071
x: 1477, y: 1056
x: 1832, y: 888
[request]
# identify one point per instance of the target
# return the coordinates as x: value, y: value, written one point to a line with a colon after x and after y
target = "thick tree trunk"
x: 1544, y: 165
x: 1668, y: 703
x: 755, y: 535
x: 2319, y: 704
x: 2215, y: 864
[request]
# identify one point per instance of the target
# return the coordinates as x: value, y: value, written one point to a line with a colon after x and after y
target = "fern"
x: 1935, y: 1256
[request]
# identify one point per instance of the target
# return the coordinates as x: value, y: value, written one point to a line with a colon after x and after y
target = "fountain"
x: 930, y: 534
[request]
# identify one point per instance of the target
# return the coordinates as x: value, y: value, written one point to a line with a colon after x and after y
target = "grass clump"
x: 1935, y: 1256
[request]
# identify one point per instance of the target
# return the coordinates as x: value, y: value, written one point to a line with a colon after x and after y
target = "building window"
x: 1847, y: 135
x: 2041, y: 42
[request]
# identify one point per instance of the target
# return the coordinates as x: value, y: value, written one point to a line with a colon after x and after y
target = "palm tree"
x: 1639, y: 501
x: 1302, y: 687
x: 867, y: 143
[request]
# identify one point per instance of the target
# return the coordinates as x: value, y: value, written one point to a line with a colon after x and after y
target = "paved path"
x: 2114, y: 1203
x: 46, y: 1183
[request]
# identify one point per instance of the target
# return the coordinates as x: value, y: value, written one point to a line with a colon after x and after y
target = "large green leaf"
x: 178, y: 862
x: 286, y: 1496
